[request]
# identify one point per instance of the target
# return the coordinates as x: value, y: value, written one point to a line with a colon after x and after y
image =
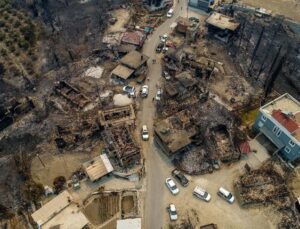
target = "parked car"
x: 164, y: 38
x: 158, y: 94
x: 172, y: 212
x: 159, y: 47
x: 172, y: 186
x: 166, y: 75
x: 130, y: 90
x: 145, y: 91
x: 180, y: 177
x: 201, y: 194
x: 145, y: 133
x: 75, y: 182
x: 165, y: 49
x: 170, y: 13
x: 226, y: 195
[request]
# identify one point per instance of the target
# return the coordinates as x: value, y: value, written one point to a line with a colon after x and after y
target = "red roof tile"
x: 135, y: 38
x: 245, y: 147
x: 285, y: 120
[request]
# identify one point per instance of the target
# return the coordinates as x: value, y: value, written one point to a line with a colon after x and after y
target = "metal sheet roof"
x: 98, y: 167
x: 122, y: 72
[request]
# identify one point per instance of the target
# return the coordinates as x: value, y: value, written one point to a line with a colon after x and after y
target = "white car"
x: 202, y: 194
x: 130, y: 90
x: 158, y: 94
x: 226, y: 195
x: 166, y: 75
x: 170, y: 13
x: 172, y: 212
x: 145, y: 91
x: 172, y: 186
x: 164, y: 38
x: 165, y: 49
x: 145, y: 133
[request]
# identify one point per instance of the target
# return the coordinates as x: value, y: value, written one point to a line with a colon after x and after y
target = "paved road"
x: 155, y: 173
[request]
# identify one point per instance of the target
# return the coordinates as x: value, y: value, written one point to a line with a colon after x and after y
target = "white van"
x: 226, y: 195
x: 201, y: 194
x: 170, y: 13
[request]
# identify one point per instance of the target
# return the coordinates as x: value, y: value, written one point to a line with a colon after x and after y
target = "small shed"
x: 186, y: 79
x: 97, y: 167
x: 135, y: 223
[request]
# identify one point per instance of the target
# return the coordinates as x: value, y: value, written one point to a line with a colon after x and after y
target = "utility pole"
x: 40, y: 160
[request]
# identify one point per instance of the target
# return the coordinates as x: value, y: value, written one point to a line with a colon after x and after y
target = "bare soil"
x: 127, y: 204
x: 102, y: 208
x: 288, y: 8
x: 56, y: 165
x: 123, y: 17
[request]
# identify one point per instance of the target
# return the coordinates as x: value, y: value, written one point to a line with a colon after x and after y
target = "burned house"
x: 221, y: 26
x: 13, y: 110
x: 72, y: 95
x: 186, y: 80
x: 136, y: 38
x: 118, y: 115
x: 199, y: 137
x: 174, y: 134
x: 121, y: 146
x: 188, y: 27
x: 132, y: 64
x: 152, y: 5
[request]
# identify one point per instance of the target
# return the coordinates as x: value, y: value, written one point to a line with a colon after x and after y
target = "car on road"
x: 164, y: 38
x: 145, y: 133
x: 158, y: 94
x: 172, y: 186
x: 145, y: 91
x: 180, y: 177
x: 201, y: 194
x: 159, y: 47
x: 170, y: 13
x: 130, y: 90
x: 172, y: 212
x: 226, y: 195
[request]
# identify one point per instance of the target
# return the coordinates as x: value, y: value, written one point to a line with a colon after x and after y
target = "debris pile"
x: 264, y: 186
x: 121, y: 146
x: 14, y: 109
x: 214, y: 142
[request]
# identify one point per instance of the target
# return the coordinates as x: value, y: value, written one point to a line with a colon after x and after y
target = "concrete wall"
x: 284, y: 137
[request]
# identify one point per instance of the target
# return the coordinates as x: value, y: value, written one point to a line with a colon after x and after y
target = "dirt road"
x: 155, y: 173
